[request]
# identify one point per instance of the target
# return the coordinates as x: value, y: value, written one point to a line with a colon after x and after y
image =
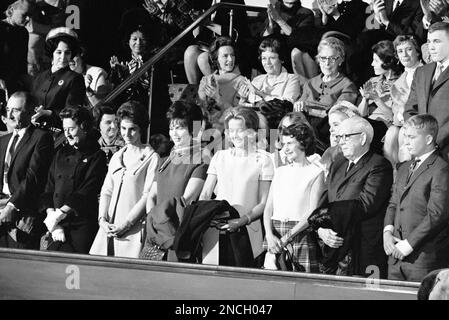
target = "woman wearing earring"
x: 277, y: 83
x: 70, y: 200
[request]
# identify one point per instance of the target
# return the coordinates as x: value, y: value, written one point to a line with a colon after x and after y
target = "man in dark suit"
x: 430, y: 87
x: 416, y: 233
x: 25, y: 157
x: 366, y: 178
x: 399, y: 17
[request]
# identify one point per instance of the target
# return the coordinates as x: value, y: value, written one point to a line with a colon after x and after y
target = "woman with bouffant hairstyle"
x: 125, y: 190
x: 294, y: 194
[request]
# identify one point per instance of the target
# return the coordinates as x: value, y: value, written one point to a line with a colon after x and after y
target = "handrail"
x: 158, y: 56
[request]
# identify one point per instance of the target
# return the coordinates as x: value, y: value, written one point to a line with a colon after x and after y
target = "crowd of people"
x: 325, y: 152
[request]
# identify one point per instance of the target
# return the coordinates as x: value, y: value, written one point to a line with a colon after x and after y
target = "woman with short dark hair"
x: 74, y: 182
x: 59, y: 86
x: 139, y: 42
x: 277, y: 83
x: 294, y: 194
x: 107, y: 123
x: 126, y: 187
x: 376, y: 101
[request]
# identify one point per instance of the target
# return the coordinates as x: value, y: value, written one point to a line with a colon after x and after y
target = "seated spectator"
x: 284, y: 17
x: 241, y: 175
x: 294, y: 194
x: 14, y: 45
x: 376, y: 101
x: 125, y: 190
x: 323, y: 91
x: 196, y: 61
x: 59, y: 86
x: 348, y: 17
x: 416, y: 222
x: 277, y: 83
x: 435, y: 285
x: 138, y: 42
x: 106, y: 121
x: 26, y: 155
x: 218, y: 91
x: 94, y: 78
x: 396, y: 17
x: 70, y: 200
x: 409, y: 54
x: 180, y: 175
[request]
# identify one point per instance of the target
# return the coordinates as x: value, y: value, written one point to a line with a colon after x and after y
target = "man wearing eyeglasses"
x: 416, y: 223
x: 364, y: 178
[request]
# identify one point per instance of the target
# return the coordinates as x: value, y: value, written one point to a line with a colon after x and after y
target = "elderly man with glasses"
x: 361, y: 180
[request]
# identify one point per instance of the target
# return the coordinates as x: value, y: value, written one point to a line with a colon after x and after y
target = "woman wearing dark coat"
x: 74, y: 182
x: 59, y: 86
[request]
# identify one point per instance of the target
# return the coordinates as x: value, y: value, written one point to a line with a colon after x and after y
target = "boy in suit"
x: 416, y: 232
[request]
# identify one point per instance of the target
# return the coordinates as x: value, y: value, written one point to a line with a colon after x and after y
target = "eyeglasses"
x: 346, y: 136
x: 331, y: 59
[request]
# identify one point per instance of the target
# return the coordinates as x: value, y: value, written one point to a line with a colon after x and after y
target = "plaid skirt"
x: 304, y: 246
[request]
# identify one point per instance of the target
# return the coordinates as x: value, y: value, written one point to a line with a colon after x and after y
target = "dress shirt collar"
x: 423, y: 158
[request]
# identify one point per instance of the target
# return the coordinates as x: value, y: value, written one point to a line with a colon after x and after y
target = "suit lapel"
x: 358, y: 166
x: 441, y: 79
x: 421, y: 169
x: 428, y: 77
x: 22, y: 143
x: 3, y: 145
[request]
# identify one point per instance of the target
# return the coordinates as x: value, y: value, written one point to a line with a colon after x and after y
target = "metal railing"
x: 160, y: 54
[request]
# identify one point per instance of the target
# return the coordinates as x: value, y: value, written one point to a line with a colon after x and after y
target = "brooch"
x: 61, y: 82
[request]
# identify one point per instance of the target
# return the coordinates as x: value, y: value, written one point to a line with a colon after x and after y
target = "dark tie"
x: 412, y: 169
x: 351, y: 165
x: 12, y: 149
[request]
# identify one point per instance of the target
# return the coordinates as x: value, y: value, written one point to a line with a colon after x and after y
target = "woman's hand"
x: 118, y: 231
x: 40, y: 111
x: 106, y: 227
x: 114, y: 62
x: 244, y: 90
x: 274, y: 244
x: 212, y: 92
x: 299, y: 106
x: 234, y: 224
x: 330, y: 238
